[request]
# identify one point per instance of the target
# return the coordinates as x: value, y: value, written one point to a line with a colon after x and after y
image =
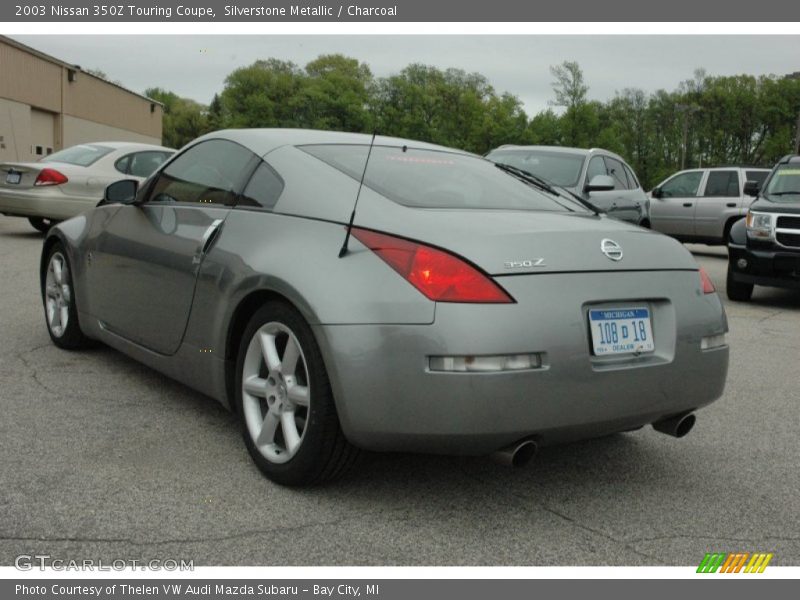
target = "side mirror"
x: 656, y: 192
x: 752, y: 188
x: 121, y: 192
x: 600, y: 183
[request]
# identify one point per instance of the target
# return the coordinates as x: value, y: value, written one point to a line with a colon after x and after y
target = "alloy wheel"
x: 276, y: 392
x: 58, y: 294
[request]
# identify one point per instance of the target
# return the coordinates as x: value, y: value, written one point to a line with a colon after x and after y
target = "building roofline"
x: 57, y: 61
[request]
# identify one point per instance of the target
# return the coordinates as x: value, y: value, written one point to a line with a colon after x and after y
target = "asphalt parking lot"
x: 105, y: 458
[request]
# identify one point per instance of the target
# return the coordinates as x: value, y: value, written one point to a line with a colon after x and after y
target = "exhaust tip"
x: 676, y: 426
x: 517, y: 455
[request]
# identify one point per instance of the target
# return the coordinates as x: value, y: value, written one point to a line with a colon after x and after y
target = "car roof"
x: 790, y: 158
x: 126, y: 146
x: 562, y: 149
x: 263, y: 141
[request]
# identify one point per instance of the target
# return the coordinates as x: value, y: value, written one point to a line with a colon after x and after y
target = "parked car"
x: 701, y: 205
x: 70, y: 181
x: 599, y: 176
x: 467, y: 311
x: 764, y: 248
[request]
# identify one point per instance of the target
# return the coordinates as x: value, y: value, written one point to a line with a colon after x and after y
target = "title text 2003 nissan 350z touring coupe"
x: 472, y: 311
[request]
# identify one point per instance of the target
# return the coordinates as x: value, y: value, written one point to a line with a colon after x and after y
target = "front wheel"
x: 58, y: 296
x: 285, y: 403
x: 736, y: 290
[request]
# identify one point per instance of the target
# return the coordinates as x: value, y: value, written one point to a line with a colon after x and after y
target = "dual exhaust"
x: 521, y: 453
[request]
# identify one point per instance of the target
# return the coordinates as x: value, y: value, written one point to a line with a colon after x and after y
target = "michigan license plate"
x: 13, y: 177
x: 621, y: 330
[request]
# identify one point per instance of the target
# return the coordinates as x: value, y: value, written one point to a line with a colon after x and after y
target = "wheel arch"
x: 240, y: 317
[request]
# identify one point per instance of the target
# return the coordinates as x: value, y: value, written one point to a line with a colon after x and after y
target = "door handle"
x: 731, y: 205
x: 205, y: 242
x: 687, y: 204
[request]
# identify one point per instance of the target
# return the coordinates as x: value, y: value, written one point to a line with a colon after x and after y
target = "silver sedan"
x: 70, y: 181
x: 468, y: 310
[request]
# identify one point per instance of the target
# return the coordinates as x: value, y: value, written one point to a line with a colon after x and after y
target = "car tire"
x: 41, y: 224
x: 736, y: 290
x: 285, y: 404
x: 58, y: 299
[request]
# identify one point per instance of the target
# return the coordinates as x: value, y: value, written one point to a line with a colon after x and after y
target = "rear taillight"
x: 50, y: 177
x: 439, y: 275
x: 708, y: 285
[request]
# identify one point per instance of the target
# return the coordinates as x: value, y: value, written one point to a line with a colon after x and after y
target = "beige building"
x: 47, y: 104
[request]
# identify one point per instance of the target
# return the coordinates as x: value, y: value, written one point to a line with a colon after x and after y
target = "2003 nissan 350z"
x: 474, y: 309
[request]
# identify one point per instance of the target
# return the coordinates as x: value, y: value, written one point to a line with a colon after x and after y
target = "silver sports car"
x: 468, y: 310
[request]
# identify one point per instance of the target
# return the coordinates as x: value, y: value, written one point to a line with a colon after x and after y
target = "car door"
x: 144, y: 264
x: 673, y: 211
x: 602, y: 200
x: 627, y: 208
x: 719, y: 201
x: 613, y: 202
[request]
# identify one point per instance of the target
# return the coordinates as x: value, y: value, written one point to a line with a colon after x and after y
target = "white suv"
x: 701, y: 205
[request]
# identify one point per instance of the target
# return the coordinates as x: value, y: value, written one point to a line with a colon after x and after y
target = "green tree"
x: 183, y: 120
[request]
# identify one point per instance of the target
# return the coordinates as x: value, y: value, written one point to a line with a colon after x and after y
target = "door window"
x: 596, y: 167
x: 683, y: 185
x: 141, y: 164
x: 633, y: 182
x: 617, y: 172
x: 209, y: 173
x: 723, y: 184
x: 263, y: 189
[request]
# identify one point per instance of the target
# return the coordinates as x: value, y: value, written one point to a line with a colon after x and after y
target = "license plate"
x: 621, y: 330
x: 13, y: 177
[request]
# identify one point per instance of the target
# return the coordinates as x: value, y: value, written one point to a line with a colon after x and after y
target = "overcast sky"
x: 196, y: 66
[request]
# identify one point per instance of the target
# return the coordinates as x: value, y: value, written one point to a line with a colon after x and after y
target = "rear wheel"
x: 58, y: 296
x: 41, y: 224
x: 736, y: 290
x: 285, y: 403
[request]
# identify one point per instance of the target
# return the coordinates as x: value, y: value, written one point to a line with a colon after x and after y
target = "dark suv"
x: 764, y: 248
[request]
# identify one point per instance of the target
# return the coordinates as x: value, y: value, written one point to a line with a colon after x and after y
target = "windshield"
x: 784, y: 185
x: 560, y: 168
x: 435, y: 179
x: 83, y: 155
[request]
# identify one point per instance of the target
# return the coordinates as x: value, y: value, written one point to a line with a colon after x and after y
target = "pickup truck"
x: 764, y: 248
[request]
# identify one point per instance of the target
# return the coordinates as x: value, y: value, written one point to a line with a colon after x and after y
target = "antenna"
x: 343, y: 249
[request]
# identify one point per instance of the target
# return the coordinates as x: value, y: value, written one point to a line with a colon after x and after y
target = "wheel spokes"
x: 256, y: 386
x: 269, y: 428
x: 57, y: 270
x: 270, y: 351
x: 291, y: 436
x: 298, y: 394
x: 290, y: 355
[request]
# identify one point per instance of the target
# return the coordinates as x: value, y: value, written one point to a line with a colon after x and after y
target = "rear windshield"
x: 83, y: 155
x: 561, y: 168
x: 434, y: 179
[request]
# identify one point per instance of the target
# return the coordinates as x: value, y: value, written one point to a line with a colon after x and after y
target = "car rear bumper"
x: 768, y: 267
x: 389, y: 399
x: 46, y: 202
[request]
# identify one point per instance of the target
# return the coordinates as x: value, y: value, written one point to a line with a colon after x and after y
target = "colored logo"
x: 734, y: 562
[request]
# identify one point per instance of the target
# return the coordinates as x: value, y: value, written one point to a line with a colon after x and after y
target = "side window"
x: 208, y: 173
x: 142, y: 164
x: 634, y: 183
x: 263, y: 189
x: 617, y: 172
x: 723, y: 184
x: 682, y: 186
x: 759, y: 176
x: 596, y: 167
x: 122, y: 164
